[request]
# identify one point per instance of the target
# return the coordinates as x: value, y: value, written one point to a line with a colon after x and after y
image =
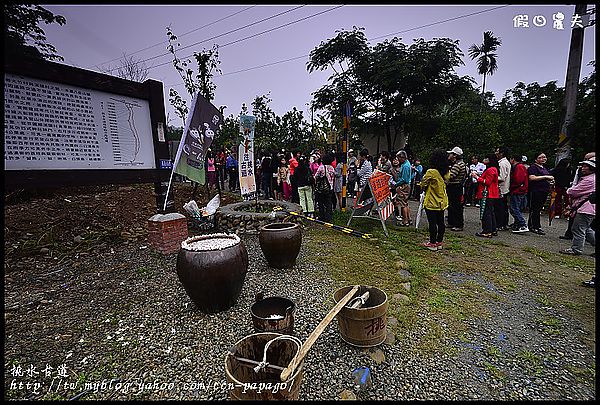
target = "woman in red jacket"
x: 488, y: 181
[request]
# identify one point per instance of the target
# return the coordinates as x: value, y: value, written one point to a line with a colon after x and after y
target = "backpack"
x: 352, y: 171
x: 322, y: 185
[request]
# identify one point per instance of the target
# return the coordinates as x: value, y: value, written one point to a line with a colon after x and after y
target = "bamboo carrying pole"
x: 316, y: 333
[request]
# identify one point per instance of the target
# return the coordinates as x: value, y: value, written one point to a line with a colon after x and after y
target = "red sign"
x: 380, y: 185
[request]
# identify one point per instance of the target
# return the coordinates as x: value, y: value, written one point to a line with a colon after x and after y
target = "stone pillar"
x: 167, y: 231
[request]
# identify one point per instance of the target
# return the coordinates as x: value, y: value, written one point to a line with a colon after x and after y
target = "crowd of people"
x: 502, y: 185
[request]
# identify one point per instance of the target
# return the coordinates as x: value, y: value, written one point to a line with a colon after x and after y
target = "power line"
x: 218, y: 36
x: 186, y: 33
x: 372, y: 39
x: 439, y: 22
x: 281, y: 26
x: 260, y: 33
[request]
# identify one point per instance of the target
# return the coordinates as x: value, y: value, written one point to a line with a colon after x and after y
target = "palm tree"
x: 487, y: 62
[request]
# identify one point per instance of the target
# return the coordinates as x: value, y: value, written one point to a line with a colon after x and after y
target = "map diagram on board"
x: 126, y: 140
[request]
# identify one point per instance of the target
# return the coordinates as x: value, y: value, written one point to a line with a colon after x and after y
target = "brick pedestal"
x: 167, y: 231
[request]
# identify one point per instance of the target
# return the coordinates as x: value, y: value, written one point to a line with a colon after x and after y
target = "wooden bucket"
x: 266, y: 384
x: 364, y: 326
x: 273, y: 314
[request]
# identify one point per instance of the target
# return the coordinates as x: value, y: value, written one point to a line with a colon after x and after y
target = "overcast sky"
x: 98, y: 35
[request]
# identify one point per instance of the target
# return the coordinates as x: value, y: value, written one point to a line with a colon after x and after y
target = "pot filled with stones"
x: 212, y: 269
x: 280, y: 243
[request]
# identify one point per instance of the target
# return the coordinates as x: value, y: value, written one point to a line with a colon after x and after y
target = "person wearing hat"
x: 568, y: 234
x: 458, y: 172
x: 584, y: 210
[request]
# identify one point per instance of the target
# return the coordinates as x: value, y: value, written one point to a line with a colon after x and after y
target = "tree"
x: 21, y: 28
x: 294, y: 130
x: 208, y: 64
x: 529, y: 115
x: 487, y: 62
x: 266, y: 130
x: 383, y: 82
x: 129, y: 68
x: 585, y: 116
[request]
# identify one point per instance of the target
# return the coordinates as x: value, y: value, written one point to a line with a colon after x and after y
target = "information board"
x: 48, y: 125
x: 67, y: 126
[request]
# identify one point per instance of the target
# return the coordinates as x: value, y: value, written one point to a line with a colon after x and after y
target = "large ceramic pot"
x: 280, y: 243
x: 212, y: 269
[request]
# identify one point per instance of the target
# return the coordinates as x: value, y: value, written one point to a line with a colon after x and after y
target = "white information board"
x: 52, y: 126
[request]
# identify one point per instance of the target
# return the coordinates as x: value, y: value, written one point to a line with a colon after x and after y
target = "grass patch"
x: 494, y: 371
x: 552, y: 325
x: 529, y: 360
x: 544, y: 300
x: 494, y: 352
x: 144, y: 271
x: 517, y: 261
x: 433, y: 299
x: 575, y: 306
x: 582, y: 374
x: 536, y: 252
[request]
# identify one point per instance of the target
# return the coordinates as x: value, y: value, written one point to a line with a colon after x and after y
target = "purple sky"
x: 96, y: 34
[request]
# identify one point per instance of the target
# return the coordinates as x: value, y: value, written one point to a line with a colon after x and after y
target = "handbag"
x: 322, y: 185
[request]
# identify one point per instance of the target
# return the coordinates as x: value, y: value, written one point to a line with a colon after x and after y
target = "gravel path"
x: 141, y: 328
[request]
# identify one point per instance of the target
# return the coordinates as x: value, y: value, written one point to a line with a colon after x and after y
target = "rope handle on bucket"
x: 264, y: 362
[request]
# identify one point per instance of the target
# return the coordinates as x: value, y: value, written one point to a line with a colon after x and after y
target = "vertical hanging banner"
x: 202, y: 122
x: 246, y: 157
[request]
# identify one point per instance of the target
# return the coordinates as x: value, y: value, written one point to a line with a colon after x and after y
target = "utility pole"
x: 572, y: 82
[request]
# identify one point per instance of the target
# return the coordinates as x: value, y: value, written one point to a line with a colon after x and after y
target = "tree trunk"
x: 482, y: 92
x: 388, y: 132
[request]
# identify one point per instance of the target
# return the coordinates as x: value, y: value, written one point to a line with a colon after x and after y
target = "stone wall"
x: 242, y: 217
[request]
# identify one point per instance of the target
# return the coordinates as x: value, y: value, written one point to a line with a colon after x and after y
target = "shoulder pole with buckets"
x: 344, y: 229
x: 316, y: 333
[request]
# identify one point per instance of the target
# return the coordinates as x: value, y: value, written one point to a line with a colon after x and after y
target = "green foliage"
x: 207, y: 62
x: 294, y: 130
x: 584, y: 129
x: 266, y: 131
x: 173, y: 133
x: 230, y: 129
x: 23, y: 35
x: 530, y: 116
x: 383, y: 81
